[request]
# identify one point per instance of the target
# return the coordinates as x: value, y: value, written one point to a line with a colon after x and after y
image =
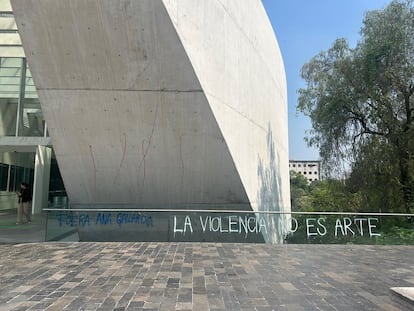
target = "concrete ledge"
x: 22, y: 143
x: 406, y: 293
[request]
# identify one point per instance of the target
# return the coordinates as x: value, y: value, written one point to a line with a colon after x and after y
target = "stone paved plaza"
x: 203, y: 276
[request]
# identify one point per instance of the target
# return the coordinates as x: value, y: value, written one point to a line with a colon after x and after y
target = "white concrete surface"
x: 236, y: 57
x: 404, y: 292
x: 22, y: 143
x: 41, y: 179
x: 162, y: 102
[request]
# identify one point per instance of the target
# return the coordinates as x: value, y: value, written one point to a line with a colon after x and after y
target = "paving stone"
x: 135, y: 305
x: 203, y: 276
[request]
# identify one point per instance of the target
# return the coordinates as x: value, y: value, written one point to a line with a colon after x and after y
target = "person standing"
x: 25, y: 198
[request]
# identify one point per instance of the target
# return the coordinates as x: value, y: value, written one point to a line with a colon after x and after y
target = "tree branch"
x: 366, y: 129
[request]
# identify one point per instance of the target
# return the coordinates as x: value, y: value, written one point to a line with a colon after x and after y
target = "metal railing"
x: 129, y: 222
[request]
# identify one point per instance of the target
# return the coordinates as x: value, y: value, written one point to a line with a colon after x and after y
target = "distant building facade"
x: 310, y: 169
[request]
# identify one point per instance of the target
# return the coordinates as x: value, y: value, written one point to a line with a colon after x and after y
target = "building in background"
x: 25, y: 148
x: 151, y: 104
x: 311, y: 170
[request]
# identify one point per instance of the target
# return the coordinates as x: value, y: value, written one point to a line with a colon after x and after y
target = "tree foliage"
x: 328, y: 195
x: 360, y: 101
x: 299, y: 191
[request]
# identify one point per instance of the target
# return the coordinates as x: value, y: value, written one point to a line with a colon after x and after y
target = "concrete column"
x: 19, y: 118
x: 41, y: 178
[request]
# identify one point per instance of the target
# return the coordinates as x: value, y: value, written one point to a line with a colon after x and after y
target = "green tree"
x: 299, y: 192
x: 361, y: 98
x: 374, y: 177
x: 329, y: 195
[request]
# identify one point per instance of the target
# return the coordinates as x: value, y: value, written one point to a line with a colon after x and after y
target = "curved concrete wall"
x: 162, y: 102
x: 236, y: 57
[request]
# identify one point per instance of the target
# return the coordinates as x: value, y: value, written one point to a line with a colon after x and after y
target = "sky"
x: 303, y: 28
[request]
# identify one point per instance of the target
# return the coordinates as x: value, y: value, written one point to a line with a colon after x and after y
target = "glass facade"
x: 21, y: 121
x: 15, y: 167
x: 21, y: 114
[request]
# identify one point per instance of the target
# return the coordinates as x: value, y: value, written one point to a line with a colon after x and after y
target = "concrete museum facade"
x: 161, y: 106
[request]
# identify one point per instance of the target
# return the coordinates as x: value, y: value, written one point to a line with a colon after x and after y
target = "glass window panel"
x: 10, y: 62
x: 12, y: 186
x: 9, y: 72
x: 30, y: 90
x: 32, y: 119
x: 10, y: 80
x: 4, y: 171
x: 8, y: 112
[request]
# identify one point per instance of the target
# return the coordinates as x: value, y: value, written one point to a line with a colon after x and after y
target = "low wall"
x: 8, y: 200
x: 159, y: 226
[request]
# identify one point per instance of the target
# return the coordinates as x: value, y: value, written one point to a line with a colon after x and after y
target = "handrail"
x: 222, y: 211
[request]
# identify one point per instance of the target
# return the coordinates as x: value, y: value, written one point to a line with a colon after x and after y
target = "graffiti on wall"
x: 343, y: 226
x: 104, y: 218
x: 246, y: 225
x: 229, y: 224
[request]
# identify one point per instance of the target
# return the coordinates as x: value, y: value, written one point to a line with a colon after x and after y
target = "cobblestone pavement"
x: 203, y: 276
